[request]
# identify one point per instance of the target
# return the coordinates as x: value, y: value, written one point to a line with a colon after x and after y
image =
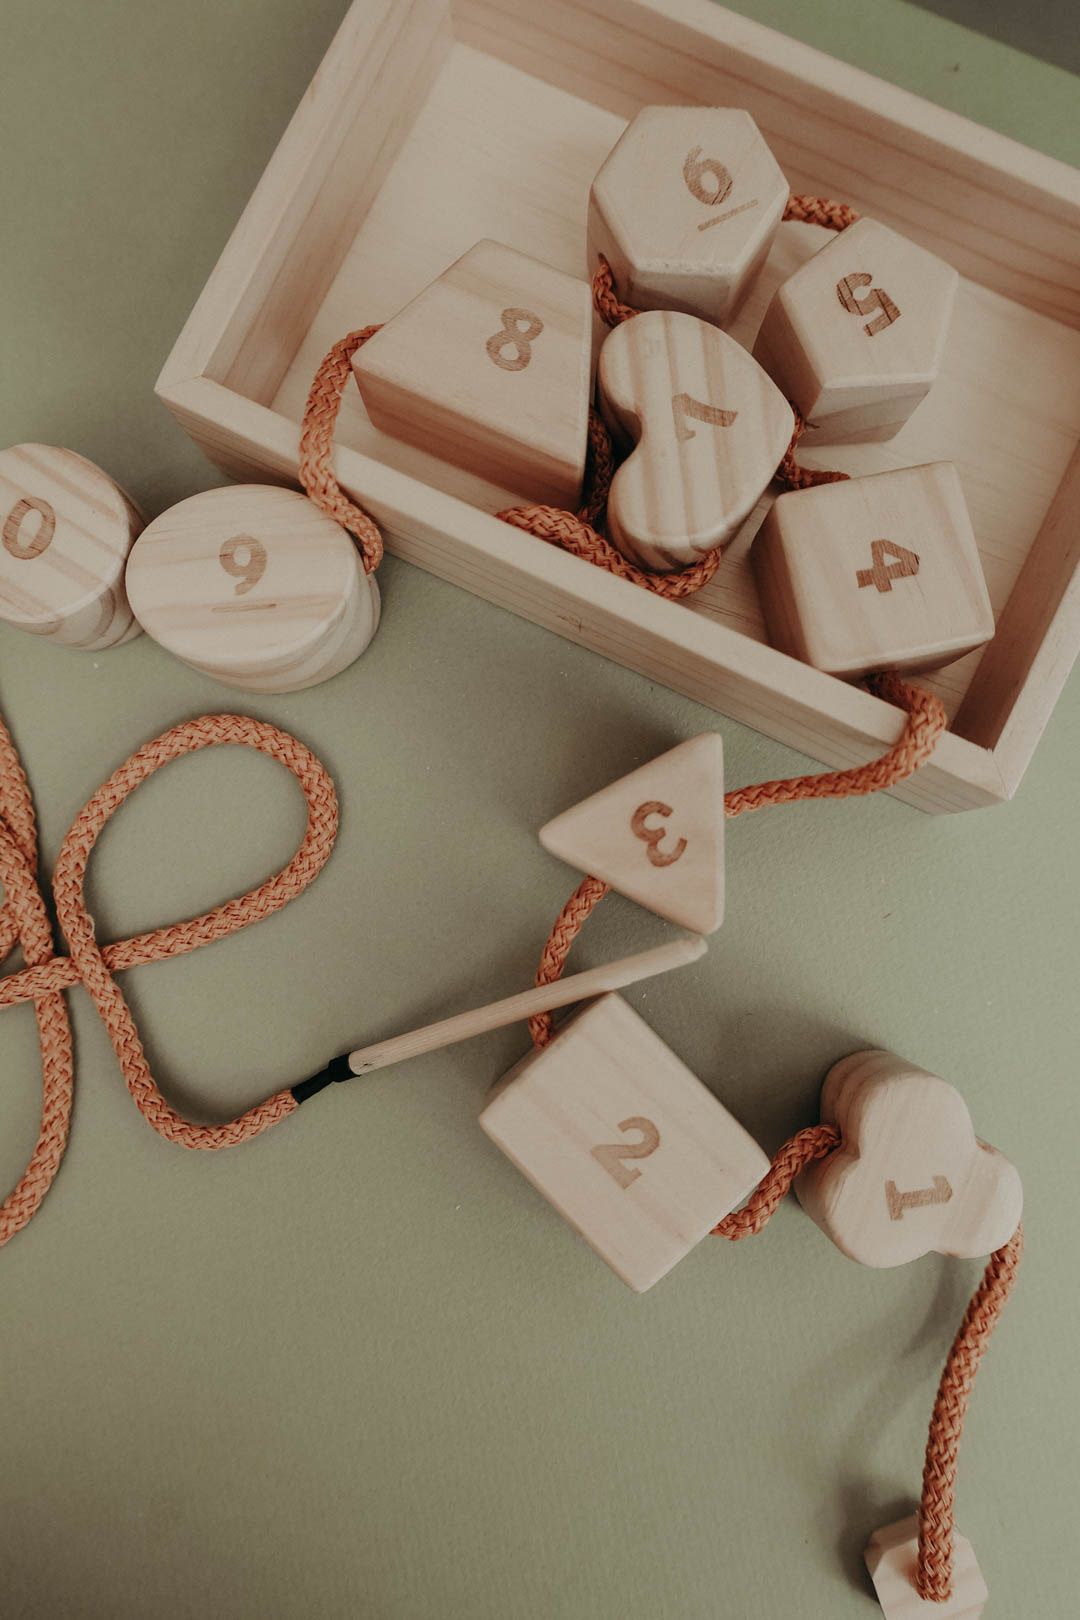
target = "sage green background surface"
x: 358, y: 1368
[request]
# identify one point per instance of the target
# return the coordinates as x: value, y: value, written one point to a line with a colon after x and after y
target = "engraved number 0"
x: 612, y: 1154
x: 882, y: 574
x: 513, y: 336
x: 247, y: 569
x: 875, y: 299
x: 24, y: 550
x: 653, y: 837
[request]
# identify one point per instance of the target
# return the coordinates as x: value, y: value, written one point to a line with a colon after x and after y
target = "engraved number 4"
x: 882, y: 574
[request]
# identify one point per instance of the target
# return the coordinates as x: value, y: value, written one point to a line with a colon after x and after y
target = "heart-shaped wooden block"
x: 910, y: 1176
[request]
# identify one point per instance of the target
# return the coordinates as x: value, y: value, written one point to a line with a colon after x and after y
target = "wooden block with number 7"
x: 656, y: 835
x: 878, y: 573
x: 488, y: 368
x: 627, y: 1144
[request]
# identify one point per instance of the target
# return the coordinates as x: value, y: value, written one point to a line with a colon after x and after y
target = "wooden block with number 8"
x: 627, y: 1144
x: 65, y: 533
x: 255, y: 586
x: 684, y: 210
x: 488, y: 368
x: 874, y: 573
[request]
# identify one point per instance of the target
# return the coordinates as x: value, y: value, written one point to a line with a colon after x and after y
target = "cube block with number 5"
x: 627, y: 1144
x: 878, y: 573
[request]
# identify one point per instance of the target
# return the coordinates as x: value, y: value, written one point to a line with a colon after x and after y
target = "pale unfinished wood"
x: 65, y: 532
x: 543, y: 998
x: 910, y: 1176
x: 892, y: 1557
x: 856, y: 337
x: 254, y: 586
x: 656, y: 835
x: 489, y: 368
x: 684, y: 209
x: 875, y: 573
x: 705, y: 428
x: 627, y: 1144
x: 545, y: 93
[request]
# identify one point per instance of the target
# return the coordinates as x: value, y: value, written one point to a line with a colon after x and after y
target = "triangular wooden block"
x: 656, y: 835
x: 488, y: 368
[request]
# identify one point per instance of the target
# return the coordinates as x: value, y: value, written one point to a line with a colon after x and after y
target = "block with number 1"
x: 878, y: 573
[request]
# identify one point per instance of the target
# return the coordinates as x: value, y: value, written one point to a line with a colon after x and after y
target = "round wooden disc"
x: 65, y: 533
x: 255, y: 586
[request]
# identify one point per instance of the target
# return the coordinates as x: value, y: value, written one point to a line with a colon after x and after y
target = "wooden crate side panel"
x: 752, y: 683
x: 1003, y: 215
x: 329, y: 165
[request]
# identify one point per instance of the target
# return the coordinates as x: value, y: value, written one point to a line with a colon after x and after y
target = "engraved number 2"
x: 876, y: 299
x: 882, y: 574
x: 653, y: 837
x: 612, y: 1154
x: 515, y: 336
x: 24, y: 550
x: 244, y: 558
x: 683, y: 406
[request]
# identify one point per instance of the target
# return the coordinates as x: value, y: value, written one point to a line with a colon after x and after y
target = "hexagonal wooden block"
x: 874, y: 573
x: 891, y: 1557
x: 489, y: 368
x: 708, y: 430
x: 627, y: 1144
x: 855, y: 337
x: 685, y: 208
x: 65, y: 533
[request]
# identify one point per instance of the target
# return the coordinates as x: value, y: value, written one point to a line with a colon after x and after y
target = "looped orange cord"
x: 46, y: 975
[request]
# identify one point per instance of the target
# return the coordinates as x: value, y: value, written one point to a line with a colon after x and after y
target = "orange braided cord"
x: 17, y: 814
x: 792, y: 474
x: 563, y: 529
x: 317, y: 447
x: 605, y: 297
x: 933, y: 1576
x: 820, y: 211
x: 568, y: 925
x: 47, y: 975
x: 788, y: 1162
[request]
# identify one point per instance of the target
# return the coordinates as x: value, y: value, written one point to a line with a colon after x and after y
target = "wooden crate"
x: 432, y: 123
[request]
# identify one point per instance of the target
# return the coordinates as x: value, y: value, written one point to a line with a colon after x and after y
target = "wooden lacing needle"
x: 511, y: 1010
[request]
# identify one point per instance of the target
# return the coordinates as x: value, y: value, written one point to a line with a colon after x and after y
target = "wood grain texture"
x: 544, y: 95
x: 910, y: 1176
x: 489, y: 368
x: 875, y: 573
x: 627, y: 1144
x: 856, y: 337
x: 707, y: 429
x: 891, y: 1557
x: 254, y: 586
x: 685, y: 208
x: 656, y: 835
x: 65, y: 532
x: 542, y: 998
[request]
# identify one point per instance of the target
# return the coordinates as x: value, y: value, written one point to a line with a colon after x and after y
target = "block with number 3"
x: 627, y: 1144
x: 489, y: 368
x: 878, y: 573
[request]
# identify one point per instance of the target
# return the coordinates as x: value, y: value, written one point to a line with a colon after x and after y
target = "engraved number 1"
x: 682, y: 406
x: 612, y: 1154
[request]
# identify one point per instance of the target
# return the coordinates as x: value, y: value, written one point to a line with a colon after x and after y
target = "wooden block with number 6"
x: 656, y: 835
x: 855, y: 337
x: 488, y: 368
x: 627, y: 1144
x: 65, y: 533
x: 255, y: 586
x: 878, y: 573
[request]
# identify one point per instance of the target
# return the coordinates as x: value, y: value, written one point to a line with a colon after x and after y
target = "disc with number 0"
x: 65, y: 533
x: 255, y: 586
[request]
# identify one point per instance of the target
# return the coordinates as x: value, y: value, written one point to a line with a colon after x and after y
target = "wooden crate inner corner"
x: 486, y: 122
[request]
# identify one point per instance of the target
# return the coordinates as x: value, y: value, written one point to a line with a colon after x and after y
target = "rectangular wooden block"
x: 627, y: 1144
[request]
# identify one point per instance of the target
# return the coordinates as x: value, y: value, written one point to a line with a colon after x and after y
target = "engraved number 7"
x: 682, y: 406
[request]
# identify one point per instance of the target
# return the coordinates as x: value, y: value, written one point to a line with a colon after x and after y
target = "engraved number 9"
x: 244, y: 558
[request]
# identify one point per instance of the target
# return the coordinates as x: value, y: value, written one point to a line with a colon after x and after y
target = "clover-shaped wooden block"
x: 910, y: 1177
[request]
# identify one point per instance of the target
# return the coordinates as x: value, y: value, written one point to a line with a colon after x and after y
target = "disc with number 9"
x: 255, y: 586
x: 65, y: 533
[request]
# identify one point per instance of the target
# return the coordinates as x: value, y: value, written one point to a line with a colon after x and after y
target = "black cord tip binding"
x: 336, y: 1069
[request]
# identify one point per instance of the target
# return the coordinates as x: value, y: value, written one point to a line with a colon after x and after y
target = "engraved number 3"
x: 653, y: 837
x: 37, y: 542
x: 612, y: 1154
x: 514, y: 336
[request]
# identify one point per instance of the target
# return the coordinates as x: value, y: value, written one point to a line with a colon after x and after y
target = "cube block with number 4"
x: 878, y: 573
x: 626, y: 1143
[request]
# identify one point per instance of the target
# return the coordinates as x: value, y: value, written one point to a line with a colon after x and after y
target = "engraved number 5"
x: 612, y: 1154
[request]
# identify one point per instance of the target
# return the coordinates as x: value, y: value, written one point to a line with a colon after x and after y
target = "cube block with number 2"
x: 878, y: 573
x: 627, y: 1144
